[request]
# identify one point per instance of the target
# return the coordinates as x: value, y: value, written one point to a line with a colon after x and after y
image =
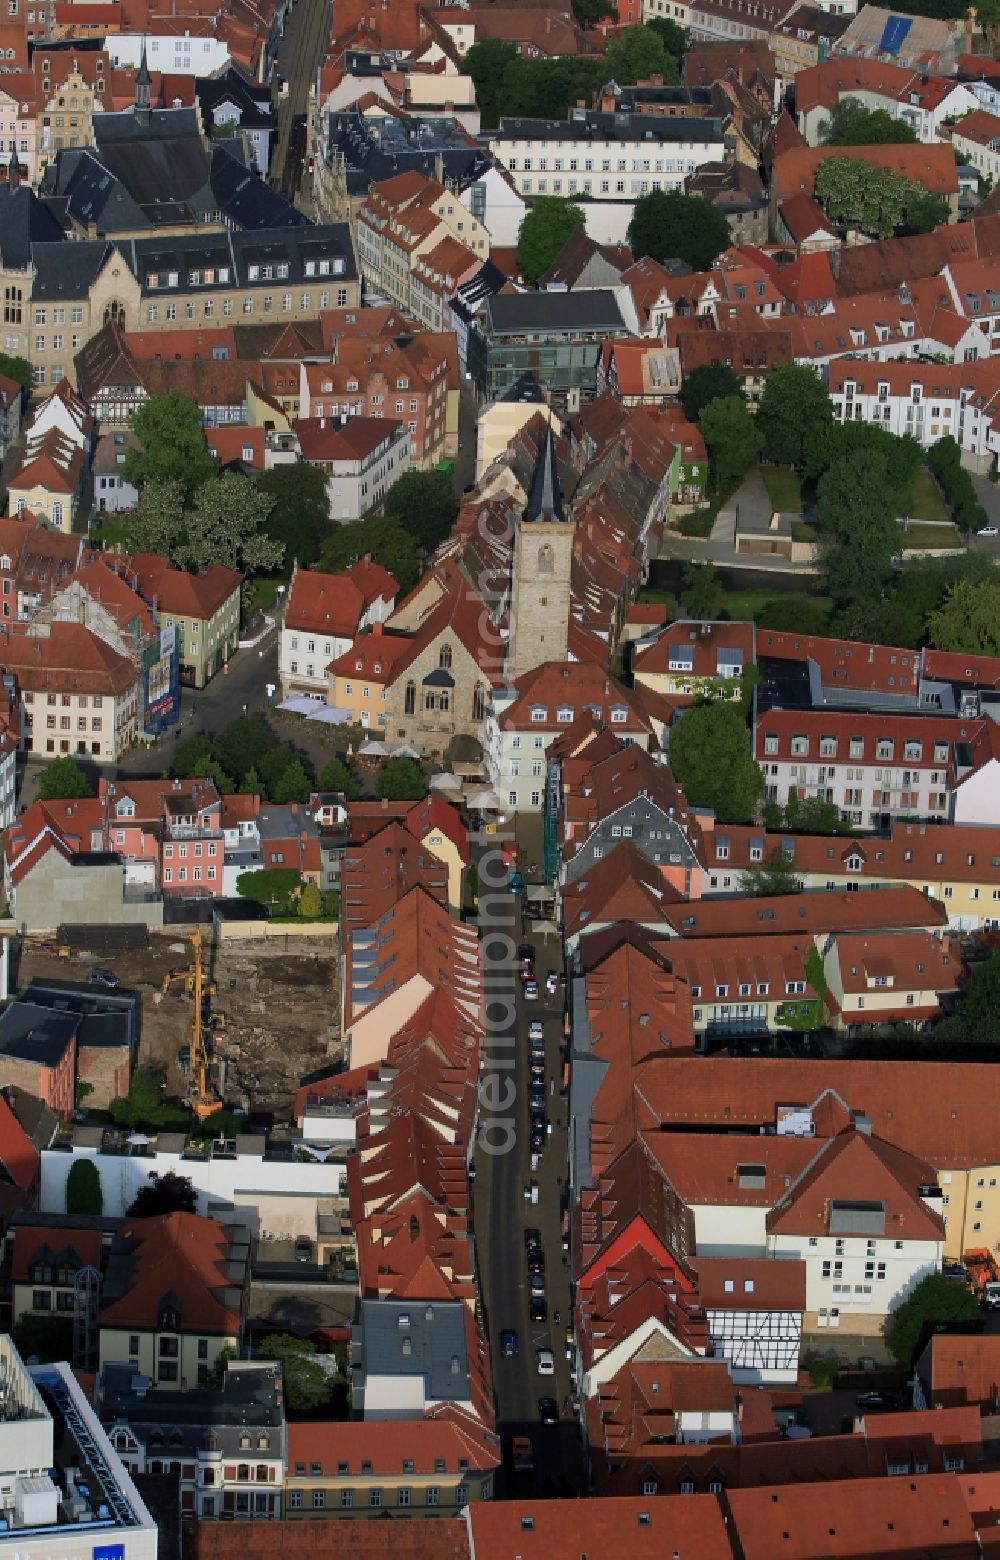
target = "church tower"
x: 543, y: 558
x: 143, y: 91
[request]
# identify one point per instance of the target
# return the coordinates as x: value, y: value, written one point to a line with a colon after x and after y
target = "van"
x: 991, y: 1296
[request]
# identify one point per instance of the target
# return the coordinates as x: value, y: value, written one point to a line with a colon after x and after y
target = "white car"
x: 989, y: 530
x: 546, y: 1362
x: 535, y: 1030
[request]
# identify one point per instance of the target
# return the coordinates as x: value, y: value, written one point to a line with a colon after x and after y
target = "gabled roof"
x: 197, y: 1266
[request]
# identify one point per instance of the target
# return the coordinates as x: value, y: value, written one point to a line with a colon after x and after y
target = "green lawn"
x: 784, y: 488
x: 699, y: 523
x: 930, y: 537
x: 927, y: 503
x: 802, y: 531
x: 111, y: 531
x: 262, y: 592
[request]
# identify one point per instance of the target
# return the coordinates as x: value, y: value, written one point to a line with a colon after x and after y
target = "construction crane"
x: 202, y: 1097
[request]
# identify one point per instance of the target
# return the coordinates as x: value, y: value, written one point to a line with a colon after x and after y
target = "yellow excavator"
x: 201, y: 1094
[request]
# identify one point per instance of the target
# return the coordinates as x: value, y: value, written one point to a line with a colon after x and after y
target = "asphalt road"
x: 502, y: 1213
x: 299, y: 54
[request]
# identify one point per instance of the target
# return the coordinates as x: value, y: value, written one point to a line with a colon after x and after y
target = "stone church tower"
x: 543, y: 558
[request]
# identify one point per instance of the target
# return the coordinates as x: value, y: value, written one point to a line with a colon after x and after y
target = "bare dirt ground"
x: 275, y: 1012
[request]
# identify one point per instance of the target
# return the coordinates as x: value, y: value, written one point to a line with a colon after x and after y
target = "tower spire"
x: 15, y: 168
x: 545, y: 501
x: 143, y: 88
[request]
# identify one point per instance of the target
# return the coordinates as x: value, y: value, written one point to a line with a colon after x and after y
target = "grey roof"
x: 551, y: 314
x: 250, y: 1399
x: 66, y: 269
x: 418, y: 1338
x: 399, y: 144
x: 24, y: 221
x: 36, y: 1034
x: 614, y: 128
x: 256, y: 109
x: 277, y: 822
x: 545, y: 501
x: 150, y: 175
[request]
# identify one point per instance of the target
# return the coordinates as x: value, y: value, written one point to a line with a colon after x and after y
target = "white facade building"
x: 173, y: 53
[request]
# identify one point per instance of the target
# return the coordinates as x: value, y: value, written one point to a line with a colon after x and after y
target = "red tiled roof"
x: 611, y: 1529
x: 69, y: 659
x: 446, y: 1435
x: 181, y: 594
x: 82, y: 1247
x: 18, y: 1155
x: 324, y: 604
x: 434, y: 813
x: 900, y: 1516
x: 177, y: 1254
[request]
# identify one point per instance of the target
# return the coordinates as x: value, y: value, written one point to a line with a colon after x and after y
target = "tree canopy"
x: 934, y: 1306
x: 873, y: 199
x: 795, y: 414
x: 547, y: 224
x: 83, y: 1188
x: 278, y: 887
x: 170, y: 431
x: 732, y: 438
x: 676, y: 39
x: 299, y: 519
x: 804, y: 815
x: 710, y: 755
x: 775, y: 876
x: 979, y: 1004
x: 852, y: 124
x: 63, y: 779
x: 703, y: 592
x: 337, y: 775
x: 507, y: 83
x: 666, y: 225
x: 858, y: 534
x: 381, y: 536
x: 224, y: 523
x: 306, y: 1383
x: 17, y: 368
x: 707, y: 382
x: 423, y: 504
x: 638, y: 53
x: 167, y: 1193
x: 968, y: 619
x: 401, y: 780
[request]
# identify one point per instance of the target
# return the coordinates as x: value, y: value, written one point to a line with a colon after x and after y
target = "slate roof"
x: 550, y: 314
x: 24, y: 222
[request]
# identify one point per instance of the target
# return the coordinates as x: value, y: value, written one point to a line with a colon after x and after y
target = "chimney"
x: 377, y: 630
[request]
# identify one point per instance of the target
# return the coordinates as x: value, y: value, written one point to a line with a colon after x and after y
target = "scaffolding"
x: 86, y: 1319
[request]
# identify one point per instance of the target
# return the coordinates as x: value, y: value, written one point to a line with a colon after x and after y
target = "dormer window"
x: 170, y: 1319
x: 564, y: 714
x: 125, y: 808
x: 538, y: 715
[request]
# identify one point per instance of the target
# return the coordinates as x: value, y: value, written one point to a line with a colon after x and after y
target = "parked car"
x: 106, y: 978
x: 303, y: 1250
x: 532, y: 1237
x: 531, y: 990
x: 536, y: 1283
x: 989, y: 530
x: 537, y: 1309
x: 508, y: 1343
x: 536, y: 1139
x: 536, y: 1259
x: 551, y: 982
x: 548, y: 1411
x: 536, y: 1030
x: 873, y: 1402
x: 546, y: 1362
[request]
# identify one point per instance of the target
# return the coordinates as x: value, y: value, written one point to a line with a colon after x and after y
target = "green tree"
x: 424, y: 505
x: 901, y: 458
x: 851, y: 124
x: 710, y: 755
x: 401, y: 780
x: 16, y: 368
x: 157, y: 523
x: 871, y: 198
x: 63, y: 779
x: 275, y: 886
x: 143, y: 1109
x: 775, y: 876
x: 708, y: 382
x: 299, y: 520
x: 676, y: 40
x: 703, y: 592
x: 666, y: 225
x: 83, y: 1188
x: 933, y: 1306
x: 226, y: 524
x: 795, y: 414
x: 47, y: 1339
x: 163, y: 1194
x: 968, y: 619
x: 589, y: 12
x: 310, y: 902
x: 487, y: 63
x: 545, y: 227
x: 638, y: 53
x: 858, y: 534
x: 804, y: 815
x: 979, y: 1004
x: 336, y: 775
x: 794, y: 615
x: 306, y: 1383
x: 294, y: 784
x: 732, y: 439
x: 189, y: 757
x: 244, y: 744
x: 924, y: 211
x: 386, y: 541
x: 170, y: 432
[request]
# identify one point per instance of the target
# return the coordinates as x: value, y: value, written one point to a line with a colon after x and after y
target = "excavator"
x: 201, y: 1093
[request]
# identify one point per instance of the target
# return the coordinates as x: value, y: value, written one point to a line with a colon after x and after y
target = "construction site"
x: 235, y: 1021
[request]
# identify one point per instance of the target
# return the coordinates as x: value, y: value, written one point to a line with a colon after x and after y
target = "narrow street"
x: 299, y: 56
x: 503, y: 1210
